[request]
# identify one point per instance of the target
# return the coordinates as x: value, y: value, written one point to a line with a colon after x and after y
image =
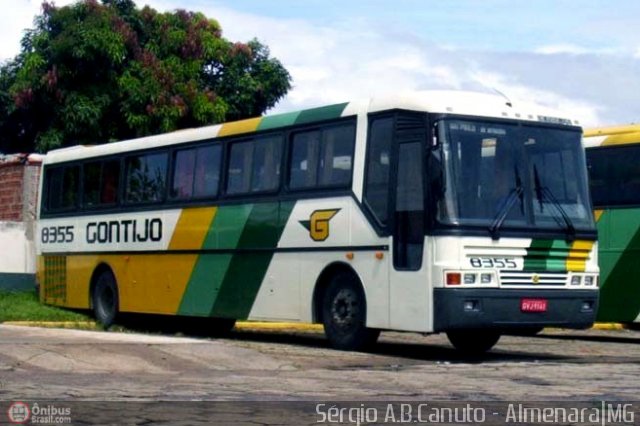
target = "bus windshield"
x: 513, y: 176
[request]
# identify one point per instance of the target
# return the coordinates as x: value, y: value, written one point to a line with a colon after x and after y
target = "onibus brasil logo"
x: 19, y: 412
x: 318, y: 223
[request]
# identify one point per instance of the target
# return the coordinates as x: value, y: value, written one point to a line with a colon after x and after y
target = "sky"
x: 581, y: 57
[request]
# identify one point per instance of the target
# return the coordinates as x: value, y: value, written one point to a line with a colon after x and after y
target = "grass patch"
x: 25, y: 306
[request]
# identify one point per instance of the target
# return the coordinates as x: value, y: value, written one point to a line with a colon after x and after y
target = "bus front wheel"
x: 344, y: 312
x: 105, y: 299
x: 473, y: 342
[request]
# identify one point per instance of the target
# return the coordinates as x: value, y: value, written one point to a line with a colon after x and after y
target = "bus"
x: 455, y: 212
x: 613, y: 158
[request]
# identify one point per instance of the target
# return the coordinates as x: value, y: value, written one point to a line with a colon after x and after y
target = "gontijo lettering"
x: 125, y: 231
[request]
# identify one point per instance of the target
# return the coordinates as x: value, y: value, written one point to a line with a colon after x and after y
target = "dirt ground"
x: 287, y: 365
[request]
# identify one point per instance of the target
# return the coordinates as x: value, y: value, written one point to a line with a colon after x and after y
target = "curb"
x: 608, y: 326
x: 240, y: 325
x: 263, y: 325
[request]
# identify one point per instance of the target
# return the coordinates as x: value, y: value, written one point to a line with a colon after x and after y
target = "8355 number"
x: 493, y: 262
x: 56, y: 234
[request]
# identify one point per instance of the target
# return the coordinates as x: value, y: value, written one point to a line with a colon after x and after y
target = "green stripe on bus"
x: 322, y: 113
x: 279, y: 120
x: 618, y: 254
x: 210, y: 269
x: 247, y: 270
x: 547, y: 255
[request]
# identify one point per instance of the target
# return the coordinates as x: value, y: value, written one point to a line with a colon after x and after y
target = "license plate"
x: 533, y: 305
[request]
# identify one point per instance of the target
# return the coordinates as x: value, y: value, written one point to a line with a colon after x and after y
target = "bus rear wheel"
x: 105, y: 299
x: 473, y: 342
x: 344, y: 314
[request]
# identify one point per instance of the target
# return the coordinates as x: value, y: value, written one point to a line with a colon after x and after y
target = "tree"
x: 95, y: 72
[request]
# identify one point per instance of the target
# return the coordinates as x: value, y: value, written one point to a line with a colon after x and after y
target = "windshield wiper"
x: 542, y: 193
x: 514, y: 194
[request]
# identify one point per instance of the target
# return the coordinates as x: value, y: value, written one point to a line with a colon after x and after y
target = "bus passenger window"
x: 100, y: 183
x: 240, y: 168
x: 254, y: 166
x: 196, y: 172
x: 146, y: 178
x: 266, y: 164
x: 63, y: 188
x: 91, y: 184
x: 322, y: 158
x: 109, y: 182
x: 337, y: 156
x: 304, y: 160
x: 207, y: 174
x: 182, y: 186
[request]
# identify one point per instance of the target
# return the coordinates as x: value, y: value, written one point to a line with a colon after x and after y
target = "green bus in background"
x: 613, y: 157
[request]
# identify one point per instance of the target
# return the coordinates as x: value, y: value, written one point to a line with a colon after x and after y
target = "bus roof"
x: 612, y: 135
x: 446, y: 102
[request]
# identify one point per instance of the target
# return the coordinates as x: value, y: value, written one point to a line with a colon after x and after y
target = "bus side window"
x: 91, y: 183
x: 266, y: 164
x: 376, y: 190
x: 109, y: 182
x: 206, y: 180
x: 182, y: 185
x: 322, y: 158
x: 337, y: 156
x: 63, y: 188
x: 240, y: 161
x: 146, y: 178
x: 254, y: 166
x: 305, y: 149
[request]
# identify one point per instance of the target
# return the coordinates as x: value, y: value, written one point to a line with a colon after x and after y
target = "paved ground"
x: 38, y: 363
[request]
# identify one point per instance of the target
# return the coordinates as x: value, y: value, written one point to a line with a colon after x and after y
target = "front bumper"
x: 500, y: 308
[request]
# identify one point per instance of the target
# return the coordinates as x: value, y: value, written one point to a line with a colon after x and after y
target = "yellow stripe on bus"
x: 612, y: 130
x: 622, y: 139
x: 242, y: 126
x: 192, y: 228
x: 598, y: 214
x: 577, y: 260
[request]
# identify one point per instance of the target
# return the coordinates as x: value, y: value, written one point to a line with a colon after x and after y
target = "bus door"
x: 409, y: 293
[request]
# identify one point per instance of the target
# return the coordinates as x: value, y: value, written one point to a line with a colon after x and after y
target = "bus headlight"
x: 589, y: 280
x: 575, y: 280
x: 469, y: 278
x: 486, y: 278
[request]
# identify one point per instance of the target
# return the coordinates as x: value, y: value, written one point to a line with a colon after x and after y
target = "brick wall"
x: 11, y: 184
x: 18, y: 188
x: 19, y: 184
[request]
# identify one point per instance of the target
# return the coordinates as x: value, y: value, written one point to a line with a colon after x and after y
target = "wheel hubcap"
x: 344, y: 308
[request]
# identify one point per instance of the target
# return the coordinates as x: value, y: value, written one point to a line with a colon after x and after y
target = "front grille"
x: 520, y: 278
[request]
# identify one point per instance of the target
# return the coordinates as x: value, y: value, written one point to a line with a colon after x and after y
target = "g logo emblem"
x: 318, y: 224
x: 535, y: 278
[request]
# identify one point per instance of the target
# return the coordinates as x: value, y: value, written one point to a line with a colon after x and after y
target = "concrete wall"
x: 19, y: 176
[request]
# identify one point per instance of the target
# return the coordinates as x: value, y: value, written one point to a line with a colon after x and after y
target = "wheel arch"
x: 322, y: 283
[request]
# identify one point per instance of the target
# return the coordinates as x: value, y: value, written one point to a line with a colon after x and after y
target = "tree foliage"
x: 95, y: 72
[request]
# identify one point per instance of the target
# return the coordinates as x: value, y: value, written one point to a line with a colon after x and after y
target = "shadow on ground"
x: 419, y: 351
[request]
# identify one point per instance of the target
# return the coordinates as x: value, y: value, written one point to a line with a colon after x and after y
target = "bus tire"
x: 344, y: 314
x: 473, y: 342
x: 105, y: 299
